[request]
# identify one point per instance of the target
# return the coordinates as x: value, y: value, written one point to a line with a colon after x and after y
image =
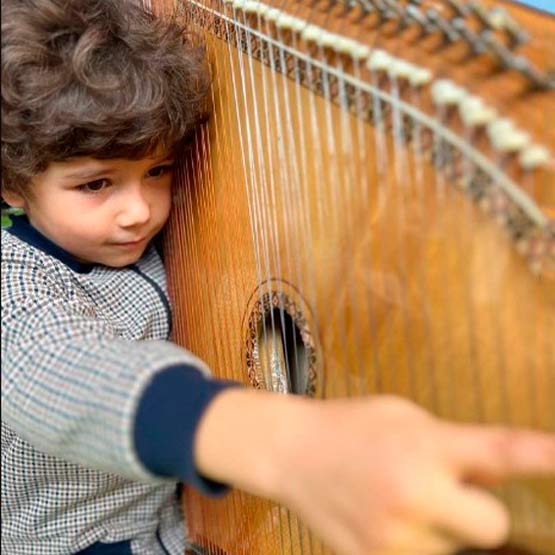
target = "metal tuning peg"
x: 384, y: 11
x: 414, y: 15
x: 503, y: 55
x: 473, y: 40
x: 445, y: 26
x: 481, y: 14
x: 542, y: 81
x: 348, y: 6
x: 509, y: 61
x: 502, y: 21
x: 400, y: 14
x: 457, y: 7
x: 498, y: 19
x: 366, y: 8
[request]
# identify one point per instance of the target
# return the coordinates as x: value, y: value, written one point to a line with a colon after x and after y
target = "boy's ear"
x: 15, y: 200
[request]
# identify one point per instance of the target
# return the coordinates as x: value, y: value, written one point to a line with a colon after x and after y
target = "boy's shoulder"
x: 17, y: 252
x: 26, y: 270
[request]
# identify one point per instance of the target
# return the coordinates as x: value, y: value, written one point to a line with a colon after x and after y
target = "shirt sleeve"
x: 75, y: 390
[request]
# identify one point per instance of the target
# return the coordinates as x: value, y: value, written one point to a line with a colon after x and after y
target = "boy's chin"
x: 123, y: 262
x: 120, y: 261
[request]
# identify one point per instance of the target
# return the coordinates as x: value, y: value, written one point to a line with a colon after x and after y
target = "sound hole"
x: 280, y: 353
x: 282, y: 356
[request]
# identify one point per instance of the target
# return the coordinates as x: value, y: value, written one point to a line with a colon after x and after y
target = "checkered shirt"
x: 80, y: 348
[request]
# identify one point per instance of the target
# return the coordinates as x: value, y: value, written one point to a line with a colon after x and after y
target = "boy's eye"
x: 159, y: 171
x: 94, y: 186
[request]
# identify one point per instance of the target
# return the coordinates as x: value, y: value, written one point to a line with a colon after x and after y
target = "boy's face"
x: 101, y: 211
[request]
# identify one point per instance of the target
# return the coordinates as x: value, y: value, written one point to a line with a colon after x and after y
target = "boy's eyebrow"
x: 88, y: 174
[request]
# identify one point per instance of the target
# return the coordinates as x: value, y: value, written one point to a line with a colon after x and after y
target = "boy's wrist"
x: 249, y: 439
x: 169, y: 409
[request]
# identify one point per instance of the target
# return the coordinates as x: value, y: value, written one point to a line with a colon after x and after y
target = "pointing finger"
x: 489, y: 454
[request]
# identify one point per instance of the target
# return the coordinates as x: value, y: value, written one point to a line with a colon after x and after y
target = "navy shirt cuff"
x: 166, y: 421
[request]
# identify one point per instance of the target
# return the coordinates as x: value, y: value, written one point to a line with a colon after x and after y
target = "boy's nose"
x: 135, y: 210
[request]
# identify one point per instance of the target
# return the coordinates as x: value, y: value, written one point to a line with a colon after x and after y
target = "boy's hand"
x: 376, y: 476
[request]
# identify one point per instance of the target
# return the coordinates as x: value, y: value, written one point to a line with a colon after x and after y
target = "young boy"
x: 102, y: 414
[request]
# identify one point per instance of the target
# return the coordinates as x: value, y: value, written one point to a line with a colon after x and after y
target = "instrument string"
x: 278, y: 202
x: 368, y: 200
x: 422, y: 274
x: 463, y: 401
x: 275, y: 202
x: 261, y: 206
x: 270, y: 216
x: 408, y: 178
x: 440, y: 379
x: 202, y: 191
x: 269, y: 205
x: 272, y: 209
x: 322, y: 229
x: 222, y: 141
x: 406, y: 183
x: 504, y: 367
x: 382, y: 279
x: 208, y: 186
x: 496, y: 314
x: 378, y: 244
x: 291, y: 185
x: 298, y: 201
x: 334, y: 178
x: 381, y: 282
x: 469, y: 221
x: 349, y: 187
x: 381, y: 245
x: 446, y: 392
x: 306, y: 218
x: 400, y: 179
x: 306, y: 228
x: 313, y: 220
x: 182, y: 206
x: 247, y: 176
x: 304, y: 210
x: 362, y: 177
x: 290, y: 204
x: 257, y: 188
x: 192, y: 247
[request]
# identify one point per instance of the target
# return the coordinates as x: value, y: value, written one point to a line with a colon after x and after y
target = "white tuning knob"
x: 400, y: 69
x: 505, y: 137
x: 420, y: 76
x: 311, y: 33
x: 445, y: 92
x: 475, y: 112
x: 327, y: 39
x: 251, y: 6
x: 533, y: 157
x: 273, y: 14
x: 379, y: 60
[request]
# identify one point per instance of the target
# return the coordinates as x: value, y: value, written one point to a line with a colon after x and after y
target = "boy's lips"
x: 133, y: 243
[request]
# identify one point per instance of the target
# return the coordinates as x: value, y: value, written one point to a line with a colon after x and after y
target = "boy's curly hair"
x: 101, y: 78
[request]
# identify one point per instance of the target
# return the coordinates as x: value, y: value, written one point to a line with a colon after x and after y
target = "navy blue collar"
x: 22, y: 229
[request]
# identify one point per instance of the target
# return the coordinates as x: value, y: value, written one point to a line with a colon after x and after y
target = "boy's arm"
x: 75, y: 390
x: 373, y: 475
